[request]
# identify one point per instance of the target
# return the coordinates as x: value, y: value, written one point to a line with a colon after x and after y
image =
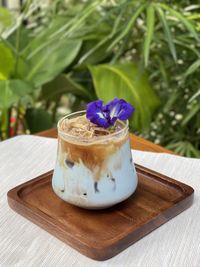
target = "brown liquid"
x: 94, y: 155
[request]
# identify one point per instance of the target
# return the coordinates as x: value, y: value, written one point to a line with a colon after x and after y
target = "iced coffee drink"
x: 94, y: 167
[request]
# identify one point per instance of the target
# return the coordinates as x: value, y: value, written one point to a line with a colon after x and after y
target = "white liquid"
x: 76, y: 184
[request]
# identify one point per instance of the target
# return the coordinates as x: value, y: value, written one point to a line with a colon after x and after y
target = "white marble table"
x: 176, y: 243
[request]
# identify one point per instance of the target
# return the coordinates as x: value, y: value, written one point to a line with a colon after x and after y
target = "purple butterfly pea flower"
x: 106, y: 116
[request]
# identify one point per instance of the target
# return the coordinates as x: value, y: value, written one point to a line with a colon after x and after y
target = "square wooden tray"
x: 102, y: 234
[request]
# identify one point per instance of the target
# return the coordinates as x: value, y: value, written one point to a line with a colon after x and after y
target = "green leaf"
x: 196, y: 95
x: 21, y: 88
x: 194, y: 152
x: 59, y: 27
x: 4, y: 122
x: 63, y: 84
x: 184, y: 148
x: 80, y: 20
x: 6, y: 19
x: 7, y: 97
x: 182, y: 19
x: 149, y: 32
x: 167, y: 32
x: 171, y: 101
x: 7, y: 62
x: 195, y: 66
x: 77, y: 21
x: 128, y: 28
x: 45, y: 65
x: 126, y: 81
x: 195, y: 109
x: 24, y: 36
x: 188, y: 46
x: 162, y: 69
x: 38, y: 120
x: 42, y: 40
x: 96, y: 54
x: 77, y: 89
x: 11, y: 91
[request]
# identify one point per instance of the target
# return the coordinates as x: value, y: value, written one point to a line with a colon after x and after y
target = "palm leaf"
x: 188, y: 46
x: 149, y: 32
x: 195, y: 66
x: 78, y: 22
x: 103, y: 43
x: 59, y: 28
x: 197, y: 94
x: 191, y: 114
x: 182, y: 19
x: 194, y: 152
x: 167, y: 32
x: 128, y: 27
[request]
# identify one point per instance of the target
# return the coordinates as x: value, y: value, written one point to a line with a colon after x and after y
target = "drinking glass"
x: 94, y: 173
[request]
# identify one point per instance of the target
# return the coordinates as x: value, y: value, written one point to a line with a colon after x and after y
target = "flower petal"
x: 95, y: 114
x: 113, y: 107
x: 119, y: 109
x: 125, y: 111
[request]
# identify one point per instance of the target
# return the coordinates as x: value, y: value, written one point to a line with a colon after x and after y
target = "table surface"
x: 137, y: 142
x: 22, y: 243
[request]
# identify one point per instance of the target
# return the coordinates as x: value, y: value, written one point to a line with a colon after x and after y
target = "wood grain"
x: 104, y: 233
x: 137, y: 142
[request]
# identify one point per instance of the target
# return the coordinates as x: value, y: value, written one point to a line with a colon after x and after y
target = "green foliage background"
x: 146, y: 52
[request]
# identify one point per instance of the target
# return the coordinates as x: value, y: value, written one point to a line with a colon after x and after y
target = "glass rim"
x: 85, y: 139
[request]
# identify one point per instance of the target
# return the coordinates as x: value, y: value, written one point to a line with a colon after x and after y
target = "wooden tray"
x: 104, y: 233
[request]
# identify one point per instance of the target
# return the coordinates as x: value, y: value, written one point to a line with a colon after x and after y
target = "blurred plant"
x: 36, y: 58
x: 57, y: 50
